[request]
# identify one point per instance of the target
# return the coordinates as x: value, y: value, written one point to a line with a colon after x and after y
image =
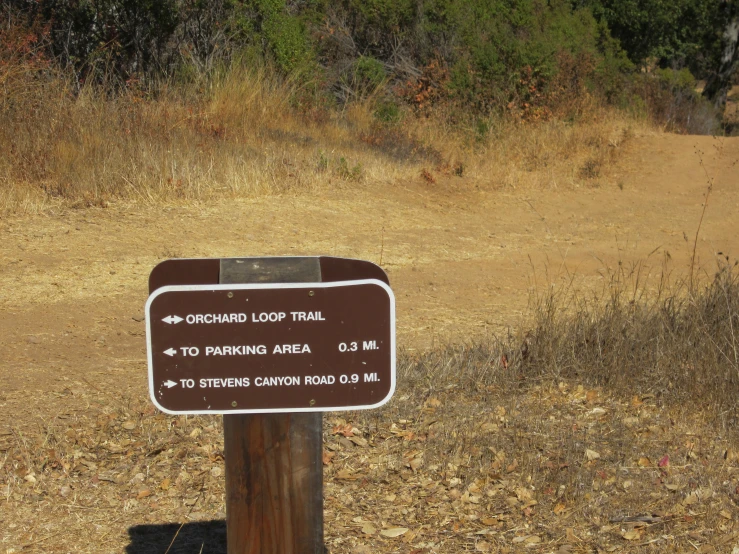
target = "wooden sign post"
x: 271, y: 343
x: 274, y: 472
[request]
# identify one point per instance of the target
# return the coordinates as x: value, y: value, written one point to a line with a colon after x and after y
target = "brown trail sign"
x: 271, y: 348
x: 320, y: 336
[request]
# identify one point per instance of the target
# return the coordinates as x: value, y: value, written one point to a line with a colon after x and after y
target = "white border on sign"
x: 255, y: 286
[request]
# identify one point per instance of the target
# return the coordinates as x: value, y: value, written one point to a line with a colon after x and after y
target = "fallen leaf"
x: 359, y: 441
x: 433, y: 402
x: 524, y: 494
x: 368, y: 529
x: 664, y: 461
x: 415, y: 463
x: 345, y: 430
x: 164, y: 485
x: 591, y: 454
x: 644, y: 462
x: 482, y: 546
x: 129, y: 425
x: 346, y: 475
x: 394, y: 532
x: 631, y: 535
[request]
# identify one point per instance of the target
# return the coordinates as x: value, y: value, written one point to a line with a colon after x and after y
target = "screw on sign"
x: 273, y: 339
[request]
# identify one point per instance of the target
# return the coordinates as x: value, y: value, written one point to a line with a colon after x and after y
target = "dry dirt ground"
x: 463, y: 259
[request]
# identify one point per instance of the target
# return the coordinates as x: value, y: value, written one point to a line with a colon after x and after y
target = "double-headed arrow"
x: 172, y: 319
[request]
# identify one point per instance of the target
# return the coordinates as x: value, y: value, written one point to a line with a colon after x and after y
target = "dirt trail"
x: 462, y: 258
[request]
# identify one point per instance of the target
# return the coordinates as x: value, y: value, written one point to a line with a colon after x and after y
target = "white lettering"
x: 320, y: 380
x: 229, y: 382
x: 307, y: 316
x: 268, y: 316
x: 194, y: 319
x: 236, y: 350
x: 276, y: 381
x: 291, y: 349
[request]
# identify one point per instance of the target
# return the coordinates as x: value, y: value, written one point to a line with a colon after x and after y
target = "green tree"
x: 673, y: 33
x: 719, y: 81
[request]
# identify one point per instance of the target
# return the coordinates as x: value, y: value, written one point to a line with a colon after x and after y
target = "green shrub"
x: 369, y: 73
x: 387, y: 111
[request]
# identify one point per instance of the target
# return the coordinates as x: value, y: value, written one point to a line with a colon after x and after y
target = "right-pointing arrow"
x: 169, y: 383
x: 170, y: 352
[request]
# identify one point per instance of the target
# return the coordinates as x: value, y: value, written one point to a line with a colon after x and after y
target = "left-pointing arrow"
x: 169, y: 384
x: 170, y: 352
x: 172, y: 319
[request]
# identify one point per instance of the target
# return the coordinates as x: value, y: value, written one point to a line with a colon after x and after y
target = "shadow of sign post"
x: 206, y: 537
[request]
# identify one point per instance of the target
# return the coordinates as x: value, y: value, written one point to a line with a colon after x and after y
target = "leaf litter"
x: 440, y: 469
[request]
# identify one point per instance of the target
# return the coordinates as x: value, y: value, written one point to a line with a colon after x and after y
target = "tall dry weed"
x: 641, y: 335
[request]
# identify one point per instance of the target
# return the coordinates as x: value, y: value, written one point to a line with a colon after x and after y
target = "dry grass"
x: 245, y: 133
x: 240, y: 137
x: 675, y: 340
x: 641, y: 334
x: 556, y: 153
